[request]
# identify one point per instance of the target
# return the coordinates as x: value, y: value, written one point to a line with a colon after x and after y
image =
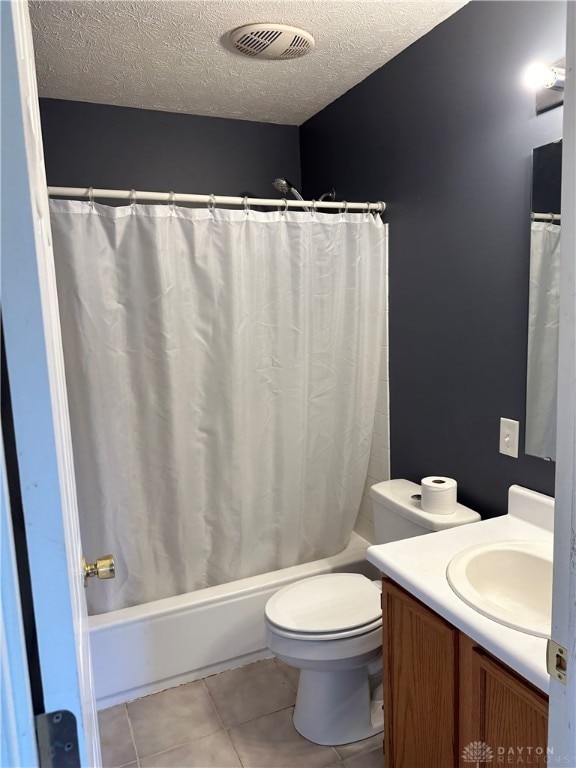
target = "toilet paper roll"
x: 438, y: 495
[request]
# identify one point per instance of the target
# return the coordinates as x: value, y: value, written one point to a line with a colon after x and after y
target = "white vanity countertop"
x: 419, y: 566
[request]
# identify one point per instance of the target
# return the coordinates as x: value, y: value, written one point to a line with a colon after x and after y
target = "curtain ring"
x: 246, y: 205
x: 91, y: 197
x: 283, y: 211
x: 374, y: 212
x: 211, y: 204
x: 132, y: 198
x: 344, y: 211
x: 171, y: 201
x: 368, y: 210
x: 313, y: 211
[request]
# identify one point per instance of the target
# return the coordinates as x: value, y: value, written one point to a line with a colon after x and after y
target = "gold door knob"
x: 103, y: 568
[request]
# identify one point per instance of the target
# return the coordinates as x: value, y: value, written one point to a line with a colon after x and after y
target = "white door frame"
x: 17, y: 736
x: 39, y: 401
x: 562, y: 718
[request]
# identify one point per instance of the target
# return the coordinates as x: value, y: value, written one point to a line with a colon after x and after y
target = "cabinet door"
x: 420, y: 654
x: 502, y: 718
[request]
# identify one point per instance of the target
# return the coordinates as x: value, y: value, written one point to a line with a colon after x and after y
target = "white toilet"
x: 330, y: 628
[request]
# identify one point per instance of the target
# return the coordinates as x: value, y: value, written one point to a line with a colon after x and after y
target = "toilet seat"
x: 328, y: 607
x: 342, y: 635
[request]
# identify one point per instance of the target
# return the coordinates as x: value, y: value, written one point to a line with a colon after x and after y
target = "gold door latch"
x: 103, y: 568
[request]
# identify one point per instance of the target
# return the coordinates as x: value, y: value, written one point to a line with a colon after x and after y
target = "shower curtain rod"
x: 547, y: 216
x: 176, y: 197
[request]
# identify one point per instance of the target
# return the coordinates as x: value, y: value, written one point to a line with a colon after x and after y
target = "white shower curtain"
x: 543, y: 328
x: 222, y: 371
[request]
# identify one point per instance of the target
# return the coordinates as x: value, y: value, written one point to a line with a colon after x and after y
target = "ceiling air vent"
x: 271, y: 41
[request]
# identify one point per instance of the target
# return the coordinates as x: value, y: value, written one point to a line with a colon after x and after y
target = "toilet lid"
x: 340, y: 635
x: 335, y: 602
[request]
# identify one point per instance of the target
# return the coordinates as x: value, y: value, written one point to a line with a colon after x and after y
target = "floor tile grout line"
x: 132, y: 734
x: 140, y: 757
x: 338, y: 758
x: 213, y: 702
x: 266, y: 714
x: 222, y: 722
x: 177, y: 746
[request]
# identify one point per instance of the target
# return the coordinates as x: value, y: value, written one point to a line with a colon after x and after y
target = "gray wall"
x: 122, y: 148
x: 444, y: 133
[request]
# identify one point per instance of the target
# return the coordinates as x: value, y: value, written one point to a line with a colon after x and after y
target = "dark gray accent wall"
x: 547, y: 178
x: 444, y: 134
x: 97, y: 145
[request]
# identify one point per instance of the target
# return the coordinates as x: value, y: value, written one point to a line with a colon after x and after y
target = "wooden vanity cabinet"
x: 443, y: 691
x: 500, y: 709
x: 420, y: 684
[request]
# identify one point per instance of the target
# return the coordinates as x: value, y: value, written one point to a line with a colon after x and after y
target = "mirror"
x: 544, y: 311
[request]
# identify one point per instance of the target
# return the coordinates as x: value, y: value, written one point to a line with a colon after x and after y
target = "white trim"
x: 17, y: 735
x: 562, y: 721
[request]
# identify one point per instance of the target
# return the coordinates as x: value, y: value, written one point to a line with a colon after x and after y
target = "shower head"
x: 283, y: 186
x: 286, y: 187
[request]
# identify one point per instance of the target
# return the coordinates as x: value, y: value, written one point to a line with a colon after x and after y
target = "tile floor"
x: 238, y: 719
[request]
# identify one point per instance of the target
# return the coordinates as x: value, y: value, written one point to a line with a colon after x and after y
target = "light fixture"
x: 547, y: 83
x: 540, y: 75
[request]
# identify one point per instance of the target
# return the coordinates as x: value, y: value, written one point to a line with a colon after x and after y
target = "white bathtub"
x: 147, y: 648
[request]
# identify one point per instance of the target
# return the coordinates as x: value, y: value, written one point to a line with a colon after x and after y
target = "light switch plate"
x: 509, y: 431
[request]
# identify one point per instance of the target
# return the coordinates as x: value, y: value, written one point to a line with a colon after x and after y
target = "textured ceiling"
x: 169, y: 56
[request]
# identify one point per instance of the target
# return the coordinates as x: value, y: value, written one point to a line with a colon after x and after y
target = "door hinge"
x: 57, y: 739
x: 557, y: 661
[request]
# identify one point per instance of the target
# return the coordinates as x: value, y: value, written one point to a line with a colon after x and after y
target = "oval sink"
x: 509, y: 581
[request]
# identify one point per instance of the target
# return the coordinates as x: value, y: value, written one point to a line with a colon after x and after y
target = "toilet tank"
x: 397, y: 515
